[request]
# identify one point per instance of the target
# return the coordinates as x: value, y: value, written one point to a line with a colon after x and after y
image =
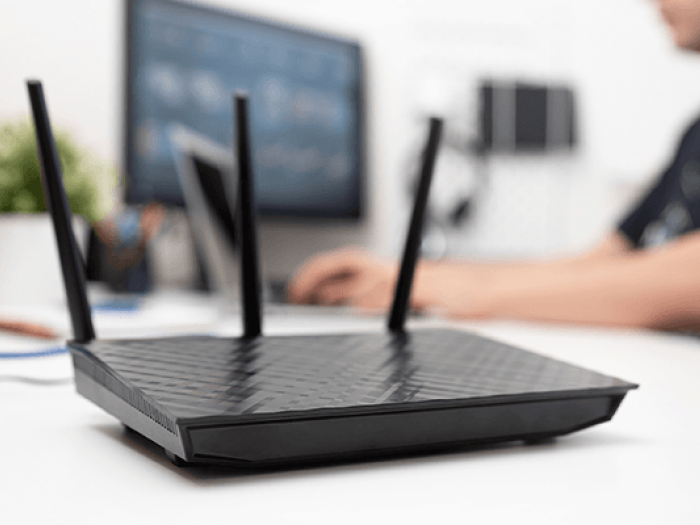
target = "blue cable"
x: 54, y: 350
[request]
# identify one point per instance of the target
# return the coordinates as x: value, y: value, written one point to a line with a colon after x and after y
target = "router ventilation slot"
x: 126, y: 394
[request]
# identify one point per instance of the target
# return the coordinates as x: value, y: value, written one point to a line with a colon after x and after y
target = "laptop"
x: 207, y: 173
x: 203, y: 168
x: 259, y: 401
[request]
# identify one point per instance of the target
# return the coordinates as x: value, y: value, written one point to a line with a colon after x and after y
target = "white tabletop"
x: 65, y: 460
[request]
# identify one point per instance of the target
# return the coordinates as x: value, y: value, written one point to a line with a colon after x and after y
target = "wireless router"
x: 258, y: 401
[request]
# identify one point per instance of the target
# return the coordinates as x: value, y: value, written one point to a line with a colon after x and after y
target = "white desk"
x: 66, y: 461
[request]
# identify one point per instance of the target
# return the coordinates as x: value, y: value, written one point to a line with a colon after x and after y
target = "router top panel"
x: 196, y: 376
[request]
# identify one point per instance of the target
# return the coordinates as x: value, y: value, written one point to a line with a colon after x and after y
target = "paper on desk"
x: 169, y: 318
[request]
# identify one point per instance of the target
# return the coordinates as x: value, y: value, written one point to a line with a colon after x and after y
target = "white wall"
x: 635, y: 93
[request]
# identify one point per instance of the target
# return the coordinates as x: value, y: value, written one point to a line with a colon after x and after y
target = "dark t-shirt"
x: 672, y: 207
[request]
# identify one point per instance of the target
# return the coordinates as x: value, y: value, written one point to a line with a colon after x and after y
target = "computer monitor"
x: 184, y: 61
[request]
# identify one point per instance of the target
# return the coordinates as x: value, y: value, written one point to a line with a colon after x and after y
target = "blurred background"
x: 558, y: 114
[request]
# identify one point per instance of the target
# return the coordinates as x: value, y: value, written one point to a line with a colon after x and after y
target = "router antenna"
x: 57, y: 202
x: 397, y: 318
x: 250, y: 269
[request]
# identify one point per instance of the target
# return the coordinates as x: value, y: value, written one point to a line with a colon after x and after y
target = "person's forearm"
x: 619, y: 294
x: 614, y: 245
x: 654, y: 289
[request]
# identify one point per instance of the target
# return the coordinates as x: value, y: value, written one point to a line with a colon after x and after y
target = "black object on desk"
x: 261, y: 401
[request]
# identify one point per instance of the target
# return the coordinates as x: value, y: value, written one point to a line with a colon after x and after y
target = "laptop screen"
x: 214, y: 191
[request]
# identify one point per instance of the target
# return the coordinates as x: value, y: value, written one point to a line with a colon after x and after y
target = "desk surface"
x: 65, y: 460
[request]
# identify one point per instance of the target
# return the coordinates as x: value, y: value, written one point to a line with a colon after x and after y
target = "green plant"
x: 89, y: 181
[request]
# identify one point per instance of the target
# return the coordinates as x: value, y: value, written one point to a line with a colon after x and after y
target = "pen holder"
x: 123, y: 261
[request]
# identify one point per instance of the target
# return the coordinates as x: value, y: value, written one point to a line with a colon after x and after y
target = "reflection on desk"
x: 65, y: 459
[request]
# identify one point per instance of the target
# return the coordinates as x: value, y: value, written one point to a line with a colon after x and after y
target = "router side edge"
x: 390, y: 431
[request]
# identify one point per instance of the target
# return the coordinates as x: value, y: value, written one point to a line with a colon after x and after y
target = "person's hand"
x: 359, y: 278
x: 350, y: 276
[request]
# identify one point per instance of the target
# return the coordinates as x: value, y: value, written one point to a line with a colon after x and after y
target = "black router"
x: 258, y: 401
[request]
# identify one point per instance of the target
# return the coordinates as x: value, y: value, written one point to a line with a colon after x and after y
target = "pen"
x: 28, y: 329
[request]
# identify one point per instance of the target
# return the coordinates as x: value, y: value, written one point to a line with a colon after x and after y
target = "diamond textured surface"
x: 210, y: 376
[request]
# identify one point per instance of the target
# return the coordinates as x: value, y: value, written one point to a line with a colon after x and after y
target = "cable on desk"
x: 34, y: 381
x: 45, y: 352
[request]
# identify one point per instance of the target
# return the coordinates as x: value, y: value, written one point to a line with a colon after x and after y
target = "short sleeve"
x: 646, y: 210
x: 666, y: 189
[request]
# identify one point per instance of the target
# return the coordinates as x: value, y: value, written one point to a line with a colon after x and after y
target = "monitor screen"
x: 184, y: 64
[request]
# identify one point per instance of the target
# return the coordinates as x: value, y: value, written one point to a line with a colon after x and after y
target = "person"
x: 645, y: 273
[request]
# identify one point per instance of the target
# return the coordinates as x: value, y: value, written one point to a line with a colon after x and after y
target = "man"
x: 644, y: 274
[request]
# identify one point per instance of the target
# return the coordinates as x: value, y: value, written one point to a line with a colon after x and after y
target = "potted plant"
x: 29, y: 271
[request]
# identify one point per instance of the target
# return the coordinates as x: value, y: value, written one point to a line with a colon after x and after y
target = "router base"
x: 302, y: 399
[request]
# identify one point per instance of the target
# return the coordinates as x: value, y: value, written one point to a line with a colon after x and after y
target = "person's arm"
x: 610, y: 285
x: 615, y: 244
x: 656, y: 289
x: 360, y: 278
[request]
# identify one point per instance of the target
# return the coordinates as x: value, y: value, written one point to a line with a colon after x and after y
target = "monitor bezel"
x: 357, y: 215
